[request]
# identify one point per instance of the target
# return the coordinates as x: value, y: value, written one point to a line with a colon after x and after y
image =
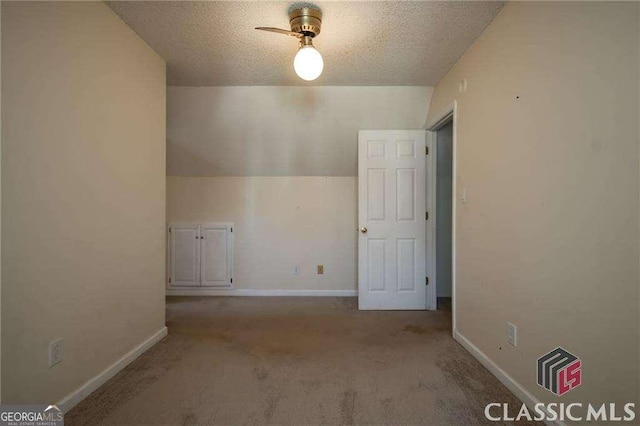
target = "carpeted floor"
x: 297, y: 361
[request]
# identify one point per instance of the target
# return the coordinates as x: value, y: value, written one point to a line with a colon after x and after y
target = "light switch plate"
x: 512, y: 334
x: 320, y: 269
x: 56, y: 352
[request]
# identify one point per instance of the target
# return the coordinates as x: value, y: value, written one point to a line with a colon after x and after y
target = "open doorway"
x: 441, y: 206
x: 443, y: 213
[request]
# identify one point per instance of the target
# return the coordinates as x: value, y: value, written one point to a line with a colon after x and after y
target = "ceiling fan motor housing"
x: 306, y: 20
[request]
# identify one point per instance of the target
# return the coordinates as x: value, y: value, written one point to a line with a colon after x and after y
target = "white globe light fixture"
x: 308, y: 62
x: 305, y: 25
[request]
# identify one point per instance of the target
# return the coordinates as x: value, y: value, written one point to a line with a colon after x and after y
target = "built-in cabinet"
x: 200, y: 255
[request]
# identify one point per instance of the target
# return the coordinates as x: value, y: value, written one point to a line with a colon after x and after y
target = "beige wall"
x: 279, y: 222
x: 83, y: 194
x: 281, y: 131
x: 548, y: 148
x: 293, y: 152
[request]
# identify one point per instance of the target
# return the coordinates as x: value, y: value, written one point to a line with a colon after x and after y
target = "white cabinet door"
x: 215, y: 255
x: 391, y: 212
x: 184, y: 255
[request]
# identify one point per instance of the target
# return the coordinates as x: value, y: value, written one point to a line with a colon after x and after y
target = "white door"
x: 185, y: 252
x: 391, y: 213
x: 215, y: 255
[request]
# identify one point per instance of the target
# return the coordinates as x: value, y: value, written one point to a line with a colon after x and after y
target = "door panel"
x: 406, y: 264
x: 215, y: 262
x: 376, y: 182
x: 185, y: 250
x: 376, y: 149
x: 376, y: 254
x: 405, y: 149
x: 391, y: 211
x: 406, y: 190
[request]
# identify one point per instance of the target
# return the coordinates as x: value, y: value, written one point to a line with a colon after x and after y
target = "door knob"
x: 363, y: 229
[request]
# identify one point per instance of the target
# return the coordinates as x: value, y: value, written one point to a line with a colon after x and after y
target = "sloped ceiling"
x: 386, y: 43
x: 281, y: 131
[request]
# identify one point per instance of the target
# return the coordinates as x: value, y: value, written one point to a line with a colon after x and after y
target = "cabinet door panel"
x: 215, y: 259
x: 185, y: 251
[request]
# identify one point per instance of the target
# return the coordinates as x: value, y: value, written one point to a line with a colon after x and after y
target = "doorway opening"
x: 441, y: 204
x: 443, y: 212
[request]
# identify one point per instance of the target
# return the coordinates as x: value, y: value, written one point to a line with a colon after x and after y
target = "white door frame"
x: 431, y: 176
x: 451, y: 114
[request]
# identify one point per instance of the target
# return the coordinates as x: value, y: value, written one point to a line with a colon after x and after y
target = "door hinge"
x: 426, y: 150
x: 169, y: 280
x: 231, y: 280
x: 232, y: 229
x: 426, y: 215
x: 427, y: 281
x: 169, y: 229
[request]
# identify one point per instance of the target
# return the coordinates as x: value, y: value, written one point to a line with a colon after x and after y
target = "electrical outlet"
x: 512, y: 334
x: 296, y: 270
x: 56, y: 352
x: 320, y: 269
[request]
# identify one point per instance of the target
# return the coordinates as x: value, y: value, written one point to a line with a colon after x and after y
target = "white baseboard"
x: 70, y: 401
x: 256, y: 292
x: 516, y: 388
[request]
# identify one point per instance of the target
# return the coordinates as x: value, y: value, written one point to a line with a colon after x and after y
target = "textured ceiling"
x: 387, y: 43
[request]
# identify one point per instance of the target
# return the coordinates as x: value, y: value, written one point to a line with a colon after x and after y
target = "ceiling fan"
x: 305, y: 25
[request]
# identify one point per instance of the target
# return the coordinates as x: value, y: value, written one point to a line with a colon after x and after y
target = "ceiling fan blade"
x: 279, y: 31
